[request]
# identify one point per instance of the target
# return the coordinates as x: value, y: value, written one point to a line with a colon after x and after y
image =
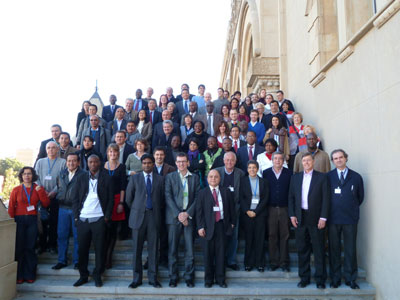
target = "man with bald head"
x: 213, y: 119
x: 216, y: 219
x: 100, y: 135
x: 108, y: 113
x: 85, y: 124
x: 48, y: 169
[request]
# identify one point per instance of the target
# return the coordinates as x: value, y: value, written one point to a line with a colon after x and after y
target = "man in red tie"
x: 236, y: 142
x: 216, y: 218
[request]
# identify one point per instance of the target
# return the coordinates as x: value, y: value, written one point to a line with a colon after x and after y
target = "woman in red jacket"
x: 23, y: 207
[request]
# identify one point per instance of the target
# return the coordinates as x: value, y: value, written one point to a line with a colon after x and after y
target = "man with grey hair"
x: 48, y: 169
x: 158, y: 128
x: 85, y: 124
x: 230, y: 179
x: 165, y: 138
x: 207, y: 99
x: 100, y: 135
x: 149, y: 94
x: 130, y: 113
x: 170, y: 95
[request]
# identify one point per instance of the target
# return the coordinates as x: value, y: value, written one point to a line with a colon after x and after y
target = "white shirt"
x: 264, y: 163
x: 277, y: 175
x: 71, y: 174
x: 220, y: 204
x: 91, y: 206
x: 140, y: 126
x: 212, y: 122
x: 305, y: 189
x: 345, y: 171
x: 119, y: 122
x: 185, y: 187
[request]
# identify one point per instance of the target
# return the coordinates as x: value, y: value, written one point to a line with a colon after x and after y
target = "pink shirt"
x: 305, y: 189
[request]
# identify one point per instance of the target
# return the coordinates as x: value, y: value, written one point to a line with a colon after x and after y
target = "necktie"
x: 186, y: 106
x: 149, y: 203
x: 341, y: 178
x: 250, y: 152
x: 235, y: 146
x: 209, y: 124
x: 216, y: 204
x: 137, y: 105
x: 151, y: 117
x: 112, y: 109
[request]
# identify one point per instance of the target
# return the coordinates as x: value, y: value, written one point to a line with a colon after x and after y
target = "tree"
x: 10, y: 182
x: 10, y: 163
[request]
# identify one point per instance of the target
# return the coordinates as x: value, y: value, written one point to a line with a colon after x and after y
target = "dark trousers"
x: 25, y: 254
x: 309, y: 237
x: 87, y: 232
x: 214, y: 255
x: 163, y: 238
x: 147, y: 231
x: 254, y: 229
x: 174, y: 234
x: 278, y: 236
x: 111, y: 240
x: 48, y: 238
x: 350, y: 253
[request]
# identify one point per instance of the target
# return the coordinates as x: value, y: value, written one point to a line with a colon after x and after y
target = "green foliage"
x: 10, y: 163
x: 11, y: 181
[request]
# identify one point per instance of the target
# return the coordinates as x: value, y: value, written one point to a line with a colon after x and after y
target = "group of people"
x: 190, y: 167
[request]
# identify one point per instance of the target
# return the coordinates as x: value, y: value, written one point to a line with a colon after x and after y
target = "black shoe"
x: 189, y: 283
x: 53, y: 251
x: 146, y: 265
x: 76, y: 266
x: 223, y: 285
x: 260, y: 269
x: 58, y: 266
x: 321, y: 286
x: 334, y: 285
x: 134, y: 285
x: 172, y: 283
x: 285, y: 269
x: 41, y: 250
x: 81, y: 281
x: 163, y: 263
x: 303, y: 284
x: 273, y: 268
x: 234, y: 267
x: 248, y: 269
x: 155, y: 284
x: 352, y: 284
x: 98, y: 282
x: 208, y: 285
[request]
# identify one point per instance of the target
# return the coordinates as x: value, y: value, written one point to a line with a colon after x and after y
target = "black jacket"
x: 245, y: 195
x: 65, y: 187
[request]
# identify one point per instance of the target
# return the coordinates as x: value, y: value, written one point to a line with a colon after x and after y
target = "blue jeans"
x: 65, y: 224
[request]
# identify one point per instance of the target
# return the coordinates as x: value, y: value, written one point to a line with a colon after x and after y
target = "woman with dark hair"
x: 162, y: 105
x: 133, y: 164
x: 265, y: 159
x: 116, y: 171
x: 279, y: 133
x: 23, y: 207
x: 82, y: 114
x: 248, y: 105
x: 86, y: 150
x: 243, y: 116
x: 222, y: 132
x: 197, y: 161
x: 288, y: 113
x: 199, y: 134
x: 225, y: 112
x: 253, y: 195
x: 144, y: 126
x: 187, y: 127
x: 235, y: 103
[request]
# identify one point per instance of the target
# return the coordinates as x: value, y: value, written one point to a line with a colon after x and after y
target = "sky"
x: 52, y: 53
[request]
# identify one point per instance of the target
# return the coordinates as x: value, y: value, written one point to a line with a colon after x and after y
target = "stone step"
x: 125, y: 271
x: 46, y: 287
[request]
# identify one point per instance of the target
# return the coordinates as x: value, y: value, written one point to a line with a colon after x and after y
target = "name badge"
x: 255, y: 200
x: 232, y: 189
x: 338, y: 191
x: 216, y: 208
x: 30, y: 208
x: 48, y: 177
x: 185, y: 194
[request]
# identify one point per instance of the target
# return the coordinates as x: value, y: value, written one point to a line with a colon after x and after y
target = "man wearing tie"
x: 347, y: 192
x: 183, y: 105
x: 216, y: 218
x: 213, y: 119
x: 309, y: 199
x: 250, y: 151
x: 108, y: 113
x: 181, y: 192
x: 139, y: 103
x: 144, y: 196
x: 153, y: 115
x: 236, y: 141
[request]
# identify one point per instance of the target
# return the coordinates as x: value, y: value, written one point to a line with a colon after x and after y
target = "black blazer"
x: 243, y: 155
x: 128, y: 149
x: 65, y: 187
x: 107, y: 115
x: 136, y: 196
x: 245, y: 195
x: 158, y: 131
x: 318, y: 197
x: 113, y: 126
x: 104, y: 192
x: 157, y: 118
x: 205, y: 215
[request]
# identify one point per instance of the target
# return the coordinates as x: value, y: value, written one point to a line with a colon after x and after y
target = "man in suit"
x: 235, y: 136
x: 139, y: 103
x: 65, y: 145
x: 124, y: 148
x: 170, y: 95
x: 230, y: 179
x: 281, y: 97
x: 274, y: 112
x: 184, y: 86
x: 250, y: 151
x: 144, y: 196
x: 216, y: 218
x: 213, y: 119
x: 130, y: 113
x: 66, y: 181
x: 278, y: 179
x: 207, y: 99
x: 92, y: 205
x: 153, y: 116
x: 108, y: 113
x: 85, y: 124
x: 164, y: 139
x: 309, y: 200
x: 119, y: 123
x: 347, y: 192
x: 183, y: 105
x: 161, y: 167
x: 158, y: 128
x: 193, y: 112
x: 55, y: 136
x: 181, y: 193
x: 101, y: 136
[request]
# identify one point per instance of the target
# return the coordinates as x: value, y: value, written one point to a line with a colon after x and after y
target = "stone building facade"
x: 338, y: 61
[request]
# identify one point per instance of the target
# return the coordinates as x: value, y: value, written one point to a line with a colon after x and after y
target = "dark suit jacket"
x: 107, y: 115
x: 237, y: 177
x: 128, y: 149
x: 156, y: 117
x: 166, y: 169
x: 104, y: 192
x: 181, y: 109
x: 217, y: 118
x: 174, y: 196
x: 136, y: 196
x: 246, y: 194
x: 144, y: 104
x: 318, y: 197
x: 205, y: 215
x: 179, y: 98
x: 64, y: 187
x: 113, y: 126
x: 345, y: 207
x: 243, y: 155
x: 105, y: 139
x: 158, y: 131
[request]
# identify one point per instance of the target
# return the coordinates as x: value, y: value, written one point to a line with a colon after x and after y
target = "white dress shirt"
x: 220, y: 204
x: 305, y: 189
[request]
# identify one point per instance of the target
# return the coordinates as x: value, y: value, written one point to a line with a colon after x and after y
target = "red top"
x: 18, y: 205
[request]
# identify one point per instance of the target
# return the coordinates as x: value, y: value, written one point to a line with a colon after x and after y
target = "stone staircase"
x: 57, y: 284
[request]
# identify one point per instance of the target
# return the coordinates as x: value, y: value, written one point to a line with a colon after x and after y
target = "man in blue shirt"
x: 256, y: 126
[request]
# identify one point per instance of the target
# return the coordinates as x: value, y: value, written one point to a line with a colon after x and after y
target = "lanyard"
x: 255, y: 190
x: 51, y: 168
x: 111, y: 173
x: 26, y: 193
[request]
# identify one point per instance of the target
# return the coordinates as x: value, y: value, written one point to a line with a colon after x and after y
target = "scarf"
x: 193, y: 154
